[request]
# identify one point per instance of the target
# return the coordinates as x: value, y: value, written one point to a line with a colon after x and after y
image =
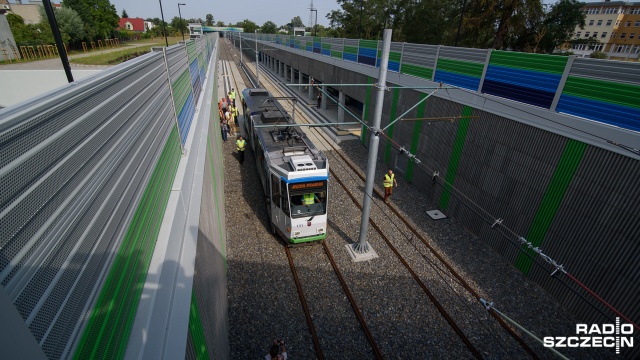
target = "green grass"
x: 127, y: 53
x: 100, y: 57
x: 114, y: 57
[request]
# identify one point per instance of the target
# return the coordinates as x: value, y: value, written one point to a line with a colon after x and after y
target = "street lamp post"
x: 164, y: 27
x: 257, y: 60
x: 315, y: 25
x: 180, y: 14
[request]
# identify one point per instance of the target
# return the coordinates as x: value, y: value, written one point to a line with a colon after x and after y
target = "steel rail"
x: 305, y: 307
x: 462, y: 281
x: 353, y: 303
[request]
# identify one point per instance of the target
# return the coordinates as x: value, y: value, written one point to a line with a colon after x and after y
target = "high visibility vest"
x: 388, y: 180
x: 232, y: 95
x: 240, y: 145
x: 235, y: 111
x: 307, y: 199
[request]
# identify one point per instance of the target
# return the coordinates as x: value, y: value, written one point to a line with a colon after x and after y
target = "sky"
x: 279, y: 11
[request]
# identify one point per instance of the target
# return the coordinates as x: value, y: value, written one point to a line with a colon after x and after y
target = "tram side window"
x: 275, y: 190
x: 285, y: 202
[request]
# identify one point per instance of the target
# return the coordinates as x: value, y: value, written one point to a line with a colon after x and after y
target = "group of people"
x: 228, y: 114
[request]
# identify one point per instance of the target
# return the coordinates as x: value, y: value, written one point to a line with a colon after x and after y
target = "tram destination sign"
x: 307, y: 185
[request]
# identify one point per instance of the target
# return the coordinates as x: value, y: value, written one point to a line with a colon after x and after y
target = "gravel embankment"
x: 264, y: 304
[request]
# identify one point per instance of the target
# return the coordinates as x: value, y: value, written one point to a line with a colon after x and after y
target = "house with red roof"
x: 132, y: 24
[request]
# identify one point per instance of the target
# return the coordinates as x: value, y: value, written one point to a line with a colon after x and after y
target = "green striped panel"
x: 393, y: 55
x: 196, y: 331
x: 181, y: 90
x: 369, y: 44
x: 109, y: 324
x: 454, y: 160
x: 562, y: 176
x: 461, y: 67
x: 536, y: 62
x: 351, y: 50
x: 606, y: 91
x: 366, y: 110
x: 310, y: 43
x: 336, y: 54
x: 326, y: 46
x: 191, y: 50
x: 418, y: 71
x: 415, y: 137
x: 392, y: 117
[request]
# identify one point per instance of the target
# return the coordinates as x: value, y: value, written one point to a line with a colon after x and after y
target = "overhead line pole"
x: 58, y: 38
x: 257, y: 60
x: 362, y: 247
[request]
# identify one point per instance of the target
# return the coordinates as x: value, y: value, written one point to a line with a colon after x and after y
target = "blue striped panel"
x: 326, y: 52
x: 309, y: 49
x: 193, y: 71
x: 392, y: 66
x: 350, y: 57
x: 519, y: 93
x: 195, y: 78
x: 185, y: 118
x: 317, y: 50
x: 463, y: 81
x: 608, y: 113
x: 525, y: 78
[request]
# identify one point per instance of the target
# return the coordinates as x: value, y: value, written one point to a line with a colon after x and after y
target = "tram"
x: 293, y: 172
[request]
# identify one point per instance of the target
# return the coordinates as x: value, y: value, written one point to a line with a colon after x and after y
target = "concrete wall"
x: 575, y: 198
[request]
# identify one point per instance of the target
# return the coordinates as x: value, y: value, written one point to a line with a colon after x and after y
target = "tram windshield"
x: 308, y: 199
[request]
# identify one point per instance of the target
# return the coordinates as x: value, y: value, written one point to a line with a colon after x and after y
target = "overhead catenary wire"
x: 438, y: 270
x: 489, y: 306
x: 452, y: 188
x: 493, y: 220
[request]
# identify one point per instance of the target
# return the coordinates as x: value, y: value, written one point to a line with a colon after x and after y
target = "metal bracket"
x: 487, y: 305
x: 381, y: 87
x: 496, y: 222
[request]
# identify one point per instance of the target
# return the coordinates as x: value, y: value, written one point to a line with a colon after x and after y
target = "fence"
x: 599, y: 90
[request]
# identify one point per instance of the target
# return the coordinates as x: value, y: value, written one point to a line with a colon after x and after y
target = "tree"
x: 100, y: 17
x: 179, y: 26
x: 69, y: 23
x: 561, y: 22
x: 220, y: 23
x: 124, y: 14
x: 29, y: 34
x: 442, y: 27
x: 373, y: 15
x: 209, y: 20
x: 249, y: 26
x: 598, y: 55
x: 297, y: 22
x: 269, y: 27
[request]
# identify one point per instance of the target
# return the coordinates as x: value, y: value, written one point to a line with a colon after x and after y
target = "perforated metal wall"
x: 74, y: 165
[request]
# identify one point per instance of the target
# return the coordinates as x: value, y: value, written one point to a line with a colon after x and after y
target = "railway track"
x: 345, y: 288
x: 304, y: 115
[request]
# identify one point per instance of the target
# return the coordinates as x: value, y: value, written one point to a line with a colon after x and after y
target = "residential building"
x: 615, y: 24
x: 132, y: 24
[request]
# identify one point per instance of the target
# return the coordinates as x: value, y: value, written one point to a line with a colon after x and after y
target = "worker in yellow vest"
x: 309, y: 199
x: 232, y: 96
x: 389, y: 181
x: 240, y: 145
